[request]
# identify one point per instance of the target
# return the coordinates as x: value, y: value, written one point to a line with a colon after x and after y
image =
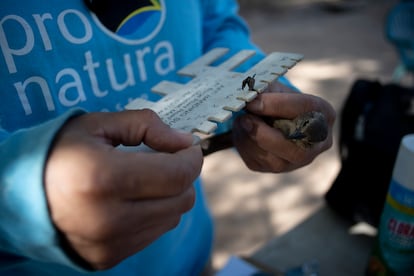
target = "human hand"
x: 109, y: 203
x: 264, y: 148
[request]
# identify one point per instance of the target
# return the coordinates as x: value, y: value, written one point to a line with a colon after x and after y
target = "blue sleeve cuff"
x: 26, y: 229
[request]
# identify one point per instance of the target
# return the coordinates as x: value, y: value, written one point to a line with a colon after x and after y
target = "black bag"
x: 374, y: 118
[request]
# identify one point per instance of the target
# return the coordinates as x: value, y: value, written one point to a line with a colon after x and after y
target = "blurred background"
x: 342, y: 40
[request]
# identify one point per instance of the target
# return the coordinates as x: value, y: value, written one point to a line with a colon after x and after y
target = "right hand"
x: 108, y: 203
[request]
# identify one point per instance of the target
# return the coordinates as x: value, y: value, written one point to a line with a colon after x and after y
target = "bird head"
x: 311, y: 127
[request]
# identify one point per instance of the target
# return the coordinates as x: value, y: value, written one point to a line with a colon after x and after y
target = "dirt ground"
x: 340, y: 46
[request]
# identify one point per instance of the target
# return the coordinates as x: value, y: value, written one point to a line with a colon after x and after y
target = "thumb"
x: 133, y: 127
x: 285, y: 105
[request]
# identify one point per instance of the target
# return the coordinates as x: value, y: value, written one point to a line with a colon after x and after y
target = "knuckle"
x: 149, y: 114
x: 180, y: 183
x: 299, y: 155
x: 185, y: 175
x: 173, y: 223
x: 280, y: 165
x: 189, y: 199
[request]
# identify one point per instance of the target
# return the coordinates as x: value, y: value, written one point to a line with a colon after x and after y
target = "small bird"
x: 305, y: 130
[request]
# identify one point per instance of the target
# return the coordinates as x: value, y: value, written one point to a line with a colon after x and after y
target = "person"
x: 71, y: 201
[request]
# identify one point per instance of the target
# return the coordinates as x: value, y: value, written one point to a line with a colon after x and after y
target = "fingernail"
x: 255, y: 105
x: 246, y: 124
x: 186, y: 134
x: 195, y: 140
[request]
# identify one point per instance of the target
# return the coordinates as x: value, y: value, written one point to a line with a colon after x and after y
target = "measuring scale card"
x: 214, y: 92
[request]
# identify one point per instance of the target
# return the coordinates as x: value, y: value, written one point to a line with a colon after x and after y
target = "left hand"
x: 264, y: 148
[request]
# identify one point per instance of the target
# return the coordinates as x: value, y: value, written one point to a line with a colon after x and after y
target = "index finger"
x: 144, y: 175
x: 289, y: 105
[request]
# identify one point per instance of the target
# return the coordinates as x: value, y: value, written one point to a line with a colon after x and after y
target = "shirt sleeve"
x: 26, y: 230
x: 223, y: 27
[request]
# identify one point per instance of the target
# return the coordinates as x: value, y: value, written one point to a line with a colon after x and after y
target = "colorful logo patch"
x: 142, y: 22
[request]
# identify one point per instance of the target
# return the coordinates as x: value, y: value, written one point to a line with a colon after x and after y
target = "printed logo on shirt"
x: 147, y: 18
x: 132, y: 21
